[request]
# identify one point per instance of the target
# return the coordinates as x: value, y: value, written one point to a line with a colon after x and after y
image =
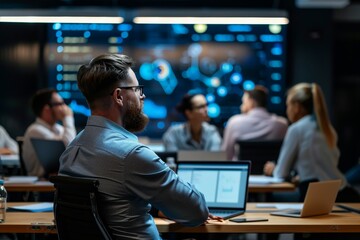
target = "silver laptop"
x: 48, y: 152
x: 319, y: 200
x: 224, y: 184
x: 201, y: 155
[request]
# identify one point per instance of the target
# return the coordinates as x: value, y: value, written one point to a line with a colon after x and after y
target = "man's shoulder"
x: 279, y: 120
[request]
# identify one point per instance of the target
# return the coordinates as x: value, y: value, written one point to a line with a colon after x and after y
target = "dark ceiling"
x: 15, y: 4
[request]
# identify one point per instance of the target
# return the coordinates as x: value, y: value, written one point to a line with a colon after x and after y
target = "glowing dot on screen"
x: 276, y: 87
x: 215, y: 81
x: 60, y: 40
x: 146, y: 71
x: 59, y: 86
x: 124, y: 34
x: 87, y: 34
x: 200, y: 28
x: 59, y: 77
x: 59, y: 67
x: 213, y: 110
x: 222, y: 91
x: 276, y: 50
x: 275, y: 29
x: 161, y: 125
x: 236, y: 78
x: 248, y: 85
x: 57, y: 26
x: 276, y: 76
x: 60, y: 49
x: 210, y: 97
x: 226, y: 67
x: 194, y: 50
x: 275, y: 100
x: 58, y: 33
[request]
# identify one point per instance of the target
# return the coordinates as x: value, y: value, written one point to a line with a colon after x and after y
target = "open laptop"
x: 224, y: 184
x: 319, y: 200
x: 201, y: 155
x: 48, y: 152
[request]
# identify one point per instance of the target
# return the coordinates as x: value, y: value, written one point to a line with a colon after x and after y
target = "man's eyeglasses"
x: 200, y: 106
x: 54, y: 104
x: 139, y: 88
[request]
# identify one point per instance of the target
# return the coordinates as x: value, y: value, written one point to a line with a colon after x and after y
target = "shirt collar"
x: 106, y: 123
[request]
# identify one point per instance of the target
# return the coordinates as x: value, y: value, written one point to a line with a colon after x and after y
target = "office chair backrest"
x: 23, y: 170
x: 75, y: 209
x: 259, y: 152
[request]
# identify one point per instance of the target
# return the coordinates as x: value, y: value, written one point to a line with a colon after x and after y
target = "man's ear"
x: 117, y: 96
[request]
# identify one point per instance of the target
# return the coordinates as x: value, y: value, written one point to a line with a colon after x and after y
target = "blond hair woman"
x: 309, y: 146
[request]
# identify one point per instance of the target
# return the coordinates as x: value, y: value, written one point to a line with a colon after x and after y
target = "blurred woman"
x: 310, y: 144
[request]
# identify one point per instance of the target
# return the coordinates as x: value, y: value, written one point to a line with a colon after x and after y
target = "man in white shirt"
x: 254, y: 122
x: 49, y: 108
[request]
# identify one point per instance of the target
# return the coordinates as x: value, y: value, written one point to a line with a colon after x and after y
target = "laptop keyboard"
x: 222, y: 212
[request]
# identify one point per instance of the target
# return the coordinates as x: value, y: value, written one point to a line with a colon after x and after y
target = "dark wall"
x: 21, y: 73
x: 347, y: 90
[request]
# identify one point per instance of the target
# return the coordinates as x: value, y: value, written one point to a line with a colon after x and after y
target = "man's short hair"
x: 103, y: 73
x: 260, y: 95
x: 41, y: 98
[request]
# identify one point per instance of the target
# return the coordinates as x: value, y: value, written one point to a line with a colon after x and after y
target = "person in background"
x: 7, y: 144
x: 196, y: 133
x: 254, y: 122
x: 310, y: 145
x: 132, y: 177
x: 49, y: 108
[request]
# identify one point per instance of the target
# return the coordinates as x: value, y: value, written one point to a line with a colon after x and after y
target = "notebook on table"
x: 319, y: 200
x: 224, y: 184
x: 48, y: 152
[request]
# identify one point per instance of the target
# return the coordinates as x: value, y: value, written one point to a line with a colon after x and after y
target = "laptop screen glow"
x: 224, y: 185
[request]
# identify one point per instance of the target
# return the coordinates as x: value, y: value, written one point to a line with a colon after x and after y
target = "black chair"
x: 259, y: 152
x: 75, y: 209
x: 20, y: 141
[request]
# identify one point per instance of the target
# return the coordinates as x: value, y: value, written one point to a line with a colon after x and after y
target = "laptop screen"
x: 224, y: 184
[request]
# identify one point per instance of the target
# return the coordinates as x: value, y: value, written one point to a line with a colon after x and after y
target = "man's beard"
x: 134, y: 120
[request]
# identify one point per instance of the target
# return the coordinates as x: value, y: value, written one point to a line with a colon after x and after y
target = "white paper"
x: 21, y: 179
x: 261, y: 179
x: 37, y: 207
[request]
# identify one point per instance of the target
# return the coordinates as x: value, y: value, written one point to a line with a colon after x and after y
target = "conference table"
x: 46, y: 186
x: 339, y: 221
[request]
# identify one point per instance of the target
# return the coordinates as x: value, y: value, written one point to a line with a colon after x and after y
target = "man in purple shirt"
x: 254, y: 122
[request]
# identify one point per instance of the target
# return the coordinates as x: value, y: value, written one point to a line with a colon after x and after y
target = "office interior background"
x: 323, y: 46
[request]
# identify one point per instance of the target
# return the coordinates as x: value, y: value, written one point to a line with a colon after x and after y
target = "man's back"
x: 131, y: 176
x: 256, y: 124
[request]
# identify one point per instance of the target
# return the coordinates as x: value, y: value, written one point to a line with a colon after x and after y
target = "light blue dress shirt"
x: 178, y: 137
x: 132, y: 178
x: 305, y: 149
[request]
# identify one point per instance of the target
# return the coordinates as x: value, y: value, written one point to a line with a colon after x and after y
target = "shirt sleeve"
x: 215, y: 140
x: 228, y: 144
x: 148, y: 177
x: 169, y: 141
x: 69, y: 130
x: 288, y: 154
x: 8, y: 141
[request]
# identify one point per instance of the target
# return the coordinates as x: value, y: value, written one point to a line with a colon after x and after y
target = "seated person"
x: 7, y: 144
x: 254, y: 122
x: 49, y: 108
x: 195, y: 133
x: 310, y: 145
x: 132, y: 177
